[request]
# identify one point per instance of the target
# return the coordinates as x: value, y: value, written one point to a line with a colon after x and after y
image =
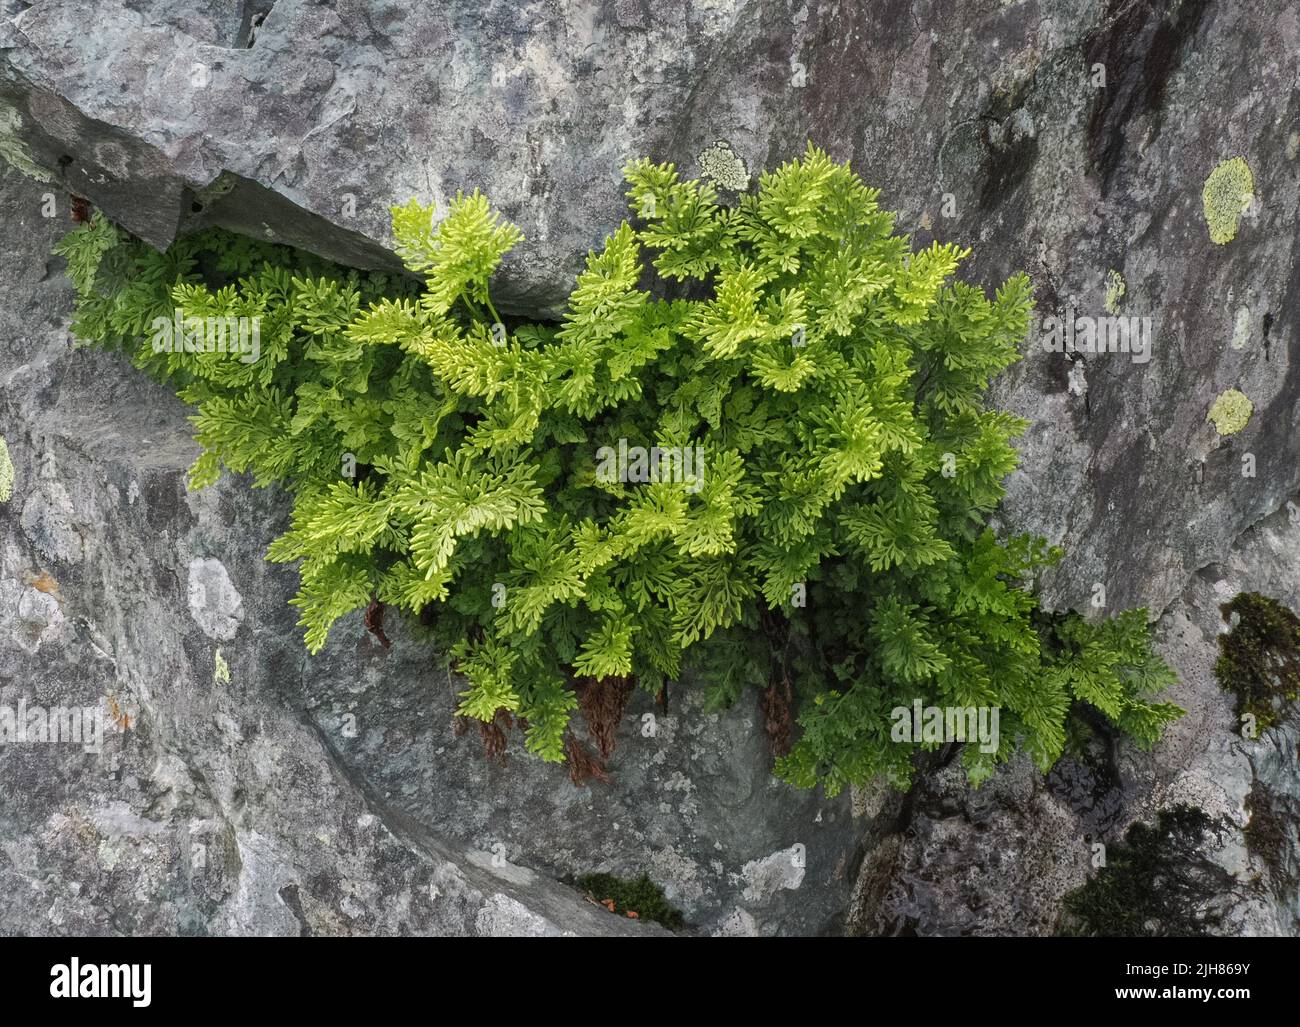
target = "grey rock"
x: 692, y: 801
x: 1070, y: 138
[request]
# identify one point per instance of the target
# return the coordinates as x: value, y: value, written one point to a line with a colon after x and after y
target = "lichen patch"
x: 724, y: 166
x: 1230, y: 412
x: 1115, y: 289
x: 6, y: 473
x: 1228, y: 192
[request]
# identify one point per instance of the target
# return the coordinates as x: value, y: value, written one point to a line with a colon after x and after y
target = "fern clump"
x: 525, y: 482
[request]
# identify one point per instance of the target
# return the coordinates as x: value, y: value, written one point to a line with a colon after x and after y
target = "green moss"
x: 1227, y: 193
x: 1268, y: 835
x: 642, y: 897
x: 1259, y: 659
x: 1230, y: 412
x: 1156, y: 884
x: 6, y: 472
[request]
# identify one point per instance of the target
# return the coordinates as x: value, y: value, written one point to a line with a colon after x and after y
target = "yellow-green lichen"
x: 1230, y: 412
x: 6, y: 472
x: 1115, y: 289
x: 1228, y: 192
x: 724, y: 166
x: 221, y: 669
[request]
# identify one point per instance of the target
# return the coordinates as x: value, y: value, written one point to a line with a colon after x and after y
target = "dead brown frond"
x: 374, y: 622
x: 493, y: 733
x: 583, y: 765
x: 776, y: 703
x: 602, y: 703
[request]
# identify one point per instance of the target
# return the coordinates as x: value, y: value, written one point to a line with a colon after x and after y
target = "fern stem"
x: 474, y: 311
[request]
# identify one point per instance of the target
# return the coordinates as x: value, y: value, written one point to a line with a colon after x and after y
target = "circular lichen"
x: 724, y: 166
x: 6, y: 472
x: 1228, y: 192
x: 1259, y: 659
x: 1230, y: 412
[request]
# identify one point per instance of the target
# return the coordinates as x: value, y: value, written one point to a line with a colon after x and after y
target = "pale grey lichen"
x: 12, y: 147
x: 1241, y: 328
x: 724, y: 166
x: 6, y: 472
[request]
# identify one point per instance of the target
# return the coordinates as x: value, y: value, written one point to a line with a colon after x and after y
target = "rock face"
x: 1072, y: 140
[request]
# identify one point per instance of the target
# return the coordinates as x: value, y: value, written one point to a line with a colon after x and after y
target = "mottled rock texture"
x: 1070, y: 138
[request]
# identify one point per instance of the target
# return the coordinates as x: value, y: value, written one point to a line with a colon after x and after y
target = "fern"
x: 831, y: 545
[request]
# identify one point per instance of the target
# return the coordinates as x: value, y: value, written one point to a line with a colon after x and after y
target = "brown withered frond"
x: 602, y: 703
x: 493, y: 734
x: 776, y: 703
x: 374, y: 622
x: 583, y: 765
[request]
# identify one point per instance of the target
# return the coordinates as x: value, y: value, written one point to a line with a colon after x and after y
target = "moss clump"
x: 1259, y: 659
x: 1227, y: 193
x: 6, y: 473
x: 1230, y: 412
x: 1268, y: 835
x: 641, y: 899
x: 1156, y: 884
